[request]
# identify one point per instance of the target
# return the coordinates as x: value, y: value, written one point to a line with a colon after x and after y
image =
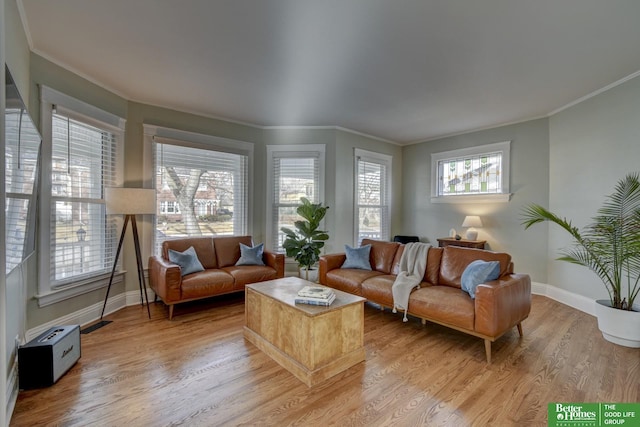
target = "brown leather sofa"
x: 218, y: 255
x: 499, y: 304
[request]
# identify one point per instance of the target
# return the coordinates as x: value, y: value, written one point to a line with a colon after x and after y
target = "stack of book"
x: 315, y: 295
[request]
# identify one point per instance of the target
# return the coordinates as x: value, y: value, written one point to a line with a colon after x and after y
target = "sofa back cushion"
x: 432, y: 271
x: 203, y: 246
x: 382, y: 254
x: 455, y: 259
x: 228, y: 249
x: 434, y: 258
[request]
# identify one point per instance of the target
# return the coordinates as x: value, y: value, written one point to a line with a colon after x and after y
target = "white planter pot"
x: 620, y: 327
x: 310, y: 275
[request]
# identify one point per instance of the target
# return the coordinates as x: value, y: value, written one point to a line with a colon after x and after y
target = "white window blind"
x: 200, y: 191
x: 83, y: 163
x: 21, y: 159
x: 373, y: 196
x: 294, y: 172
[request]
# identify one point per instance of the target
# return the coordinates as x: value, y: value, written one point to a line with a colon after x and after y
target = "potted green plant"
x: 305, y: 243
x: 610, y: 247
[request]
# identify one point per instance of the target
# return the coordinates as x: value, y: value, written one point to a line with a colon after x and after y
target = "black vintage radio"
x: 43, y: 360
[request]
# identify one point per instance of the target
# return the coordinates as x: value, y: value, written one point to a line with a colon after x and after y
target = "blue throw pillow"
x: 479, y: 272
x: 187, y: 260
x: 357, y: 257
x: 251, y: 255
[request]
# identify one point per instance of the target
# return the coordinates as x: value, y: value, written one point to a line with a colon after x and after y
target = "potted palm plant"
x: 304, y: 244
x: 610, y: 247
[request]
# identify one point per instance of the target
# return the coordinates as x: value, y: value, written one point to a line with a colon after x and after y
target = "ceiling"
x: 401, y: 70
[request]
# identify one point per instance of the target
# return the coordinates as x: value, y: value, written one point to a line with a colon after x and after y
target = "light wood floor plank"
x: 199, y: 370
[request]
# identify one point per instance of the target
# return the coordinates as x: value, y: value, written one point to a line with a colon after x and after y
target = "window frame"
x: 289, y: 149
x: 381, y: 159
x: 498, y: 147
x: 153, y: 133
x: 50, y: 292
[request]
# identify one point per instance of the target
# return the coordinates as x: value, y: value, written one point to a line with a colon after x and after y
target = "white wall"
x: 502, y: 224
x: 592, y: 145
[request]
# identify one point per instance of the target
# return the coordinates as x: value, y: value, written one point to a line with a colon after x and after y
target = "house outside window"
x: 81, y: 157
x: 293, y: 171
x: 202, y: 185
x: 372, y: 196
x: 476, y: 174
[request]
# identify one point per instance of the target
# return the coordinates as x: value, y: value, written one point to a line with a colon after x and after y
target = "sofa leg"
x: 519, y: 325
x: 487, y: 350
x: 424, y: 321
x: 170, y: 311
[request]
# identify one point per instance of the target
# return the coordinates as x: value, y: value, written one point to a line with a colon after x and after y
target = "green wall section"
x: 593, y: 145
x: 501, y: 223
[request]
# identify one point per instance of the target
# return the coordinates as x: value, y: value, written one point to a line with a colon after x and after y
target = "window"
x: 81, y: 157
x: 477, y: 174
x: 21, y: 162
x: 293, y: 171
x: 202, y: 185
x: 373, y: 196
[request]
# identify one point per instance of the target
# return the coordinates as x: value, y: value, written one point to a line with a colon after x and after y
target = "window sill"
x: 76, y: 289
x: 479, y: 198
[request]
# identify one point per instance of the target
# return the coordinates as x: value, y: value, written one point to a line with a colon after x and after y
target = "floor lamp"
x: 130, y: 202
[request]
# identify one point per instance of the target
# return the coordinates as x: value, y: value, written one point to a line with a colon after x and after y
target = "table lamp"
x: 472, y: 221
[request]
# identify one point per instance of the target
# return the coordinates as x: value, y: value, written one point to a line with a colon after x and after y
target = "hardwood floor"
x: 199, y: 370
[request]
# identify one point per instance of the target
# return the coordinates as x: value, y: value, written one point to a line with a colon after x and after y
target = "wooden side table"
x: 449, y: 241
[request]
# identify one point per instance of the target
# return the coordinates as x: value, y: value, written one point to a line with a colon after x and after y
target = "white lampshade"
x: 130, y: 201
x: 472, y: 221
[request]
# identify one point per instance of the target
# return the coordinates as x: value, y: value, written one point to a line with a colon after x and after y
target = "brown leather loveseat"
x: 218, y: 256
x: 499, y: 305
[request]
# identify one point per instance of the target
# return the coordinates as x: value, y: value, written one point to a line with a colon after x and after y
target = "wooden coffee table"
x: 312, y: 342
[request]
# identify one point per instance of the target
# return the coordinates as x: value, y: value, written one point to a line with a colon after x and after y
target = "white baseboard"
x: 90, y: 314
x: 579, y: 302
x: 12, y: 389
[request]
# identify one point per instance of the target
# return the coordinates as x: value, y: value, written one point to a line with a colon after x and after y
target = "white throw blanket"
x: 412, y: 266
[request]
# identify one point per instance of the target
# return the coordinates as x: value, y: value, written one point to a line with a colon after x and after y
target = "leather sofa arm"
x: 502, y: 304
x: 328, y: 263
x: 165, y: 279
x: 275, y: 261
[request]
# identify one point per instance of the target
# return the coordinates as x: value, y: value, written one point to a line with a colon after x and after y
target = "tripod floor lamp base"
x: 130, y: 201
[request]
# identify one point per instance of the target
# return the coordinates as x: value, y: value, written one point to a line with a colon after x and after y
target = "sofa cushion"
x: 455, y: 259
x: 382, y: 254
x: 203, y: 246
x: 432, y: 271
x: 445, y: 304
x: 349, y: 280
x: 251, y: 255
x: 206, y: 283
x: 187, y: 260
x: 478, y: 272
x: 245, y: 274
x: 228, y: 249
x: 378, y: 289
x: 357, y: 257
